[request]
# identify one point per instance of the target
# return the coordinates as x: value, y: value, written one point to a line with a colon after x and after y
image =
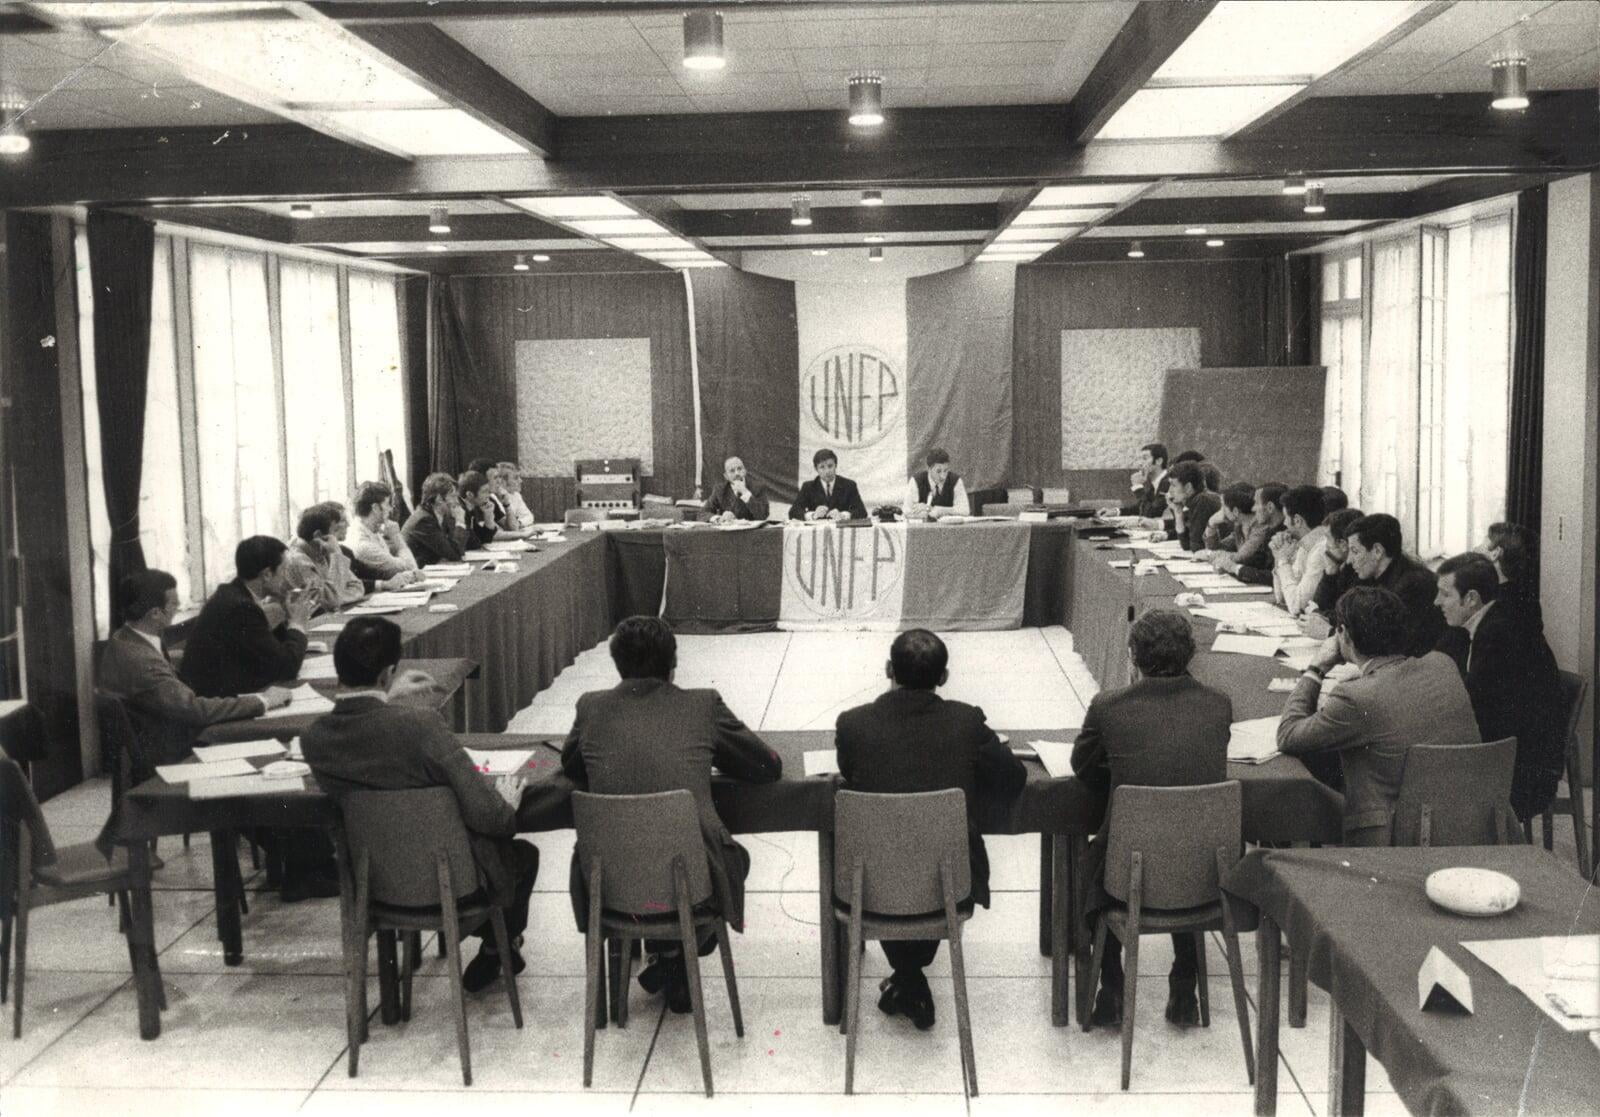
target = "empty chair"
x: 1456, y: 795
x: 1167, y: 852
x: 902, y: 871
x: 410, y: 869
x: 1573, y: 689
x: 644, y: 865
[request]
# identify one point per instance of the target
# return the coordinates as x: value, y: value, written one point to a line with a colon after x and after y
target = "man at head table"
x: 736, y: 498
x: 828, y: 496
x: 937, y: 491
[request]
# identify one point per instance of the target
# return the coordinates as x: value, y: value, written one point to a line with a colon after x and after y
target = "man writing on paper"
x: 937, y: 491
x: 828, y: 496
x: 736, y: 498
x: 372, y: 741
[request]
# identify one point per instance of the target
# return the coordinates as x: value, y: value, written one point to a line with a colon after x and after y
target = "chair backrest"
x: 1177, y: 832
x: 400, y: 834
x: 121, y: 750
x: 637, y: 838
x: 19, y: 806
x: 1573, y: 688
x: 900, y: 841
x: 1464, y: 790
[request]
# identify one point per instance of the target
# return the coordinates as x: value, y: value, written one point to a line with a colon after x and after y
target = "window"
x: 161, y: 485
x: 99, y: 521
x: 1389, y: 419
x: 376, y: 378
x: 1341, y: 353
x: 313, y: 386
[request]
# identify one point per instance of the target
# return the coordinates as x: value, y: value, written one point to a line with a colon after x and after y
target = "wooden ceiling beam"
x: 1154, y: 30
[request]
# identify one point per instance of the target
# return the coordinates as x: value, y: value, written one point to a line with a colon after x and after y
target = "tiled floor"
x: 268, y: 1036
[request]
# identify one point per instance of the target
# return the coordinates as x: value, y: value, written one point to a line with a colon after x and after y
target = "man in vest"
x: 936, y: 491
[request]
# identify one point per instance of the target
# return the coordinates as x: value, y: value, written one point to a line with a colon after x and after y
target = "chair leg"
x: 502, y: 943
x: 24, y: 889
x: 1200, y: 978
x: 616, y: 989
x: 1097, y: 958
x: 186, y: 841
x: 1574, y: 804
x: 409, y: 948
x: 452, y: 932
x: 850, y: 1022
x: 624, y: 964
x: 5, y: 957
x: 1130, y: 966
x: 958, y: 972
x: 725, y: 949
x: 1241, y: 1003
x: 355, y: 990
x: 591, y: 972
x: 1548, y: 820
x: 691, y: 961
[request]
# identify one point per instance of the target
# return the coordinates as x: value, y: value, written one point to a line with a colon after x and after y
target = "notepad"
x: 510, y: 545
x: 238, y: 750
x: 1266, y: 646
x: 183, y: 773
x: 1239, y: 589
x: 1056, y: 756
x: 405, y: 598
x: 330, y: 625
x: 242, y: 785
x: 370, y: 610
x: 1254, y: 741
x: 821, y: 762
x: 318, y: 667
x: 499, y: 762
x: 1206, y: 582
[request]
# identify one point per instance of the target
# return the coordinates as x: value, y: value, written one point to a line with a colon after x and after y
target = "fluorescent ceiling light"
x: 439, y: 219
x: 1028, y: 246
x: 874, y: 238
x: 574, y: 206
x: 540, y: 258
x: 1009, y: 258
x: 1196, y: 112
x: 1196, y: 230
x: 676, y: 255
x: 1270, y: 39
x: 521, y: 264
x: 819, y: 252
x: 424, y: 131
x: 1028, y: 233
x: 621, y: 226
x: 1214, y: 242
x: 872, y: 197
x: 438, y: 248
x: 638, y: 244
x: 700, y: 264
x: 1031, y: 216
x: 1099, y: 194
x: 866, y: 100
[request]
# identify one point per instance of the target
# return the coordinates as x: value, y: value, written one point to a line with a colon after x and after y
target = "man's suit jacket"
x: 165, y: 712
x: 647, y: 735
x: 1196, y: 514
x: 1371, y: 721
x: 723, y: 500
x: 913, y: 740
x: 846, y: 497
x: 367, y: 744
x: 1254, y: 556
x: 1515, y: 687
x: 430, y: 542
x: 1150, y: 501
x: 234, y: 649
x: 1163, y: 731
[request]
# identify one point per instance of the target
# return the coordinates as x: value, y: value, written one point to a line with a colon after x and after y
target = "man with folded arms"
x: 1297, y: 553
x: 828, y: 496
x: 937, y: 491
x: 1371, y: 721
x: 374, y: 741
x: 908, y: 740
x: 736, y: 498
x: 374, y: 539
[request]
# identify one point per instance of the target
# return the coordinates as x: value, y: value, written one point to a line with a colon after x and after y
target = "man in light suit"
x: 828, y: 496
x: 645, y: 735
x: 1166, y: 730
x: 374, y: 741
x: 1371, y: 721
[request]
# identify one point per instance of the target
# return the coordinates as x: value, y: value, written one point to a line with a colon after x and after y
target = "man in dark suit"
x: 1510, y: 547
x: 828, y: 496
x: 373, y: 741
x: 234, y: 649
x: 736, y: 498
x: 1192, y: 504
x: 1150, y: 483
x: 1252, y: 562
x: 645, y: 735
x: 1166, y: 730
x: 1337, y: 573
x: 1511, y: 676
x: 1376, y: 556
x: 434, y: 532
x: 909, y: 740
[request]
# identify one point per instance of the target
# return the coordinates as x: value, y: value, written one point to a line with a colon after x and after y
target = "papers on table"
x: 437, y: 585
x: 1560, y: 974
x: 369, y: 610
x: 1282, y: 686
x: 318, y: 667
x: 1240, y: 588
x: 479, y: 555
x: 1187, y: 566
x: 1056, y: 756
x: 552, y: 537
x: 821, y: 762
x: 302, y: 700
x: 405, y: 599
x: 242, y: 785
x: 184, y: 773
x: 739, y: 525
x: 238, y: 750
x: 1266, y: 646
x: 499, y: 762
x: 510, y: 545
x: 1207, y: 582
x: 330, y: 625
x: 1254, y: 741
x: 447, y: 569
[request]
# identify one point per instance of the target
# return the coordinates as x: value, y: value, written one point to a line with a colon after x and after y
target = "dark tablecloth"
x: 1361, y: 919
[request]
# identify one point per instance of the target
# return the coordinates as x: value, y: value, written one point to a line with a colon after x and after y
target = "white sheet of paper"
x: 1522, y: 963
x: 1188, y: 566
x: 499, y: 762
x: 1056, y: 756
x: 509, y: 545
x: 1241, y: 588
x: 820, y: 762
x: 1254, y: 741
x: 406, y: 597
x: 448, y: 569
x: 329, y: 626
x: 1277, y: 628
x: 369, y: 610
x: 242, y: 785
x: 302, y: 700
x: 1265, y: 646
x: 479, y: 555
x: 1299, y: 658
x: 238, y: 750
x: 1212, y: 581
x: 1438, y: 971
x: 183, y: 773
x: 318, y: 667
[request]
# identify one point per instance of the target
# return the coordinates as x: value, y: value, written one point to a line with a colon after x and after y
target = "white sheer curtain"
x: 99, y: 522
x: 241, y: 486
x: 162, y: 510
x: 1389, y: 420
x: 377, y: 385
x: 1488, y: 384
x: 313, y: 385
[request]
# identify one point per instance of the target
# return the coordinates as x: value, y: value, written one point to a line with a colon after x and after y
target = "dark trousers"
x: 525, y: 859
x: 907, y: 956
x: 1185, y: 961
x: 735, y: 858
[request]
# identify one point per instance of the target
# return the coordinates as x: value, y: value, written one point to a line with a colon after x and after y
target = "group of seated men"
x: 931, y: 493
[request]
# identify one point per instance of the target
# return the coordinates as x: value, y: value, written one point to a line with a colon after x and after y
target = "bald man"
x: 736, y: 498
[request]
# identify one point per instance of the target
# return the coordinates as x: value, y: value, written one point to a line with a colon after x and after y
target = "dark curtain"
x: 457, y: 396
x: 1525, y: 465
x: 122, y: 261
x: 749, y: 346
x: 1302, y: 343
x: 413, y: 296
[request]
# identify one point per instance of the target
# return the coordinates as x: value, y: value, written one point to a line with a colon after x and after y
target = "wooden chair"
x: 46, y: 875
x: 1573, y: 690
x: 1167, y: 852
x: 902, y: 870
x: 1456, y: 795
x: 648, y: 877
x: 409, y: 868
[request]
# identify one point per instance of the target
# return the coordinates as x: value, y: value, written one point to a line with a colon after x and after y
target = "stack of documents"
x: 480, y: 555
x: 499, y: 762
x: 1187, y: 566
x: 405, y: 599
x: 447, y: 569
x: 225, y: 770
x: 1254, y: 741
x: 510, y: 545
x: 1056, y: 756
x: 1211, y: 581
x: 302, y: 700
x: 1266, y: 646
x: 238, y: 750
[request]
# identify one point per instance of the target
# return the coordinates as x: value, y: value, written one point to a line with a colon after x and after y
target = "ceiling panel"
x: 1290, y: 228
x: 419, y: 247
x: 820, y: 199
x: 968, y: 237
x: 400, y: 207
x: 1372, y: 184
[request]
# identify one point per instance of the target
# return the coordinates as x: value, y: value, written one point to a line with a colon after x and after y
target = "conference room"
x: 961, y: 555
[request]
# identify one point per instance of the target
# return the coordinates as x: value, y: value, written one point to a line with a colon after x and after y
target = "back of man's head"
x: 1213, y: 476
x: 1162, y: 643
x: 369, y: 496
x: 1338, y: 523
x: 918, y: 659
x: 143, y: 591
x: 1334, y: 498
x: 1515, y: 544
x: 1240, y: 497
x: 1272, y: 493
x: 1189, y: 456
x: 366, y: 647
x: 1470, y: 572
x: 1188, y: 473
x: 257, y: 555
x: 470, y: 482
x: 644, y: 648
x: 1374, y: 619
x: 1305, y: 501
x: 480, y: 465
x: 1378, y: 528
x: 318, y: 518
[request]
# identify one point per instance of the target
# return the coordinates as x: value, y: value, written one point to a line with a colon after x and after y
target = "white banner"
x: 853, y: 382
x: 843, y: 578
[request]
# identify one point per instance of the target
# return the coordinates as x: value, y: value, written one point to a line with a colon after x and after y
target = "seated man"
x: 372, y: 742
x: 736, y: 498
x: 1510, y: 547
x: 508, y: 478
x: 374, y: 539
x: 1230, y: 525
x: 828, y: 496
x: 1297, y: 553
x: 233, y: 649
x: 1378, y: 560
x: 1511, y: 677
x: 1372, y: 720
x: 478, y: 510
x: 1150, y: 482
x: 937, y: 491
x: 1333, y: 499
x: 1192, y: 505
x: 1337, y: 573
x: 908, y: 740
x: 1166, y: 730
x: 317, y: 563
x: 646, y: 735
x: 1252, y: 562
x: 435, y: 532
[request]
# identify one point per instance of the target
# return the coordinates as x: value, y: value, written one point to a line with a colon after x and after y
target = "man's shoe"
x: 1183, y: 1006
x: 900, y: 998
x: 482, y: 970
x: 1107, y: 1008
x: 678, y: 986
x: 309, y: 886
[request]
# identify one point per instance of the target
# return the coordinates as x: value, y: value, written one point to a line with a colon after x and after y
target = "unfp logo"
x: 836, y: 572
x: 853, y: 394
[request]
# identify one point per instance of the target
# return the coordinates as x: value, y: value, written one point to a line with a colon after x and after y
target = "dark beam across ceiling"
x: 1154, y: 30
x: 499, y: 263
x: 1176, y: 249
x: 463, y: 226
x: 840, y: 220
x: 244, y: 221
x: 841, y: 245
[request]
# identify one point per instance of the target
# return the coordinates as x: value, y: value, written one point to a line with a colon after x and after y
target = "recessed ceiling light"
x: 1136, y: 251
x: 540, y: 258
x: 1242, y: 39
x: 1509, y: 79
x: 875, y: 255
x: 800, y: 209
x: 13, y: 140
x: 1034, y: 246
x: 1314, y: 199
x: 702, y: 41
x: 438, y: 220
x: 1214, y: 242
x: 301, y: 211
x: 564, y: 207
x: 1196, y: 230
x: 1194, y: 112
x: 437, y: 248
x: 1294, y: 187
x: 866, y: 100
x: 521, y: 264
x: 874, y: 238
x: 872, y: 197
x: 819, y: 252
